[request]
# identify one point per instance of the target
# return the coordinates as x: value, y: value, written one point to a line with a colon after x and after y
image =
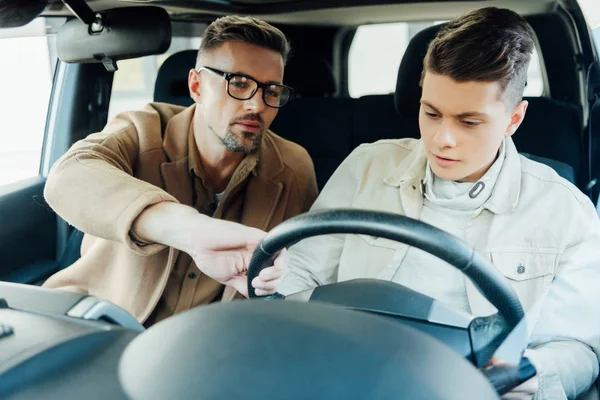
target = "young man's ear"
x: 517, y: 116
x: 194, y: 85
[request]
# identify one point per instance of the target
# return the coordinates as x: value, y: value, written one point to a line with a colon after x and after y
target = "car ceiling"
x: 316, y: 12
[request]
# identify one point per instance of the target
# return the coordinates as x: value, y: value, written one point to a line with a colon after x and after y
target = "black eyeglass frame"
x: 228, y: 76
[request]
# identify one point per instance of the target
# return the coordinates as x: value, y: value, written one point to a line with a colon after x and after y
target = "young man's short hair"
x: 486, y: 45
x: 247, y: 30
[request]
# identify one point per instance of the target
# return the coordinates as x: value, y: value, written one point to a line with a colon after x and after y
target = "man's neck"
x: 218, y: 163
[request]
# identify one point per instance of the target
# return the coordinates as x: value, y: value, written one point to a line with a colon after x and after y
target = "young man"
x: 465, y: 176
x: 152, y: 191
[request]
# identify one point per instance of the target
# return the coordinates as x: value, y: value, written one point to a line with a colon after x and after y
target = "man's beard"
x: 247, y: 145
x: 246, y: 142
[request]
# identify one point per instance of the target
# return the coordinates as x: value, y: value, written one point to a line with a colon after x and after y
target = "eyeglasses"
x: 242, y: 87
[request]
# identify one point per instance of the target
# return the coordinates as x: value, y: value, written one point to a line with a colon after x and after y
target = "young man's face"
x: 463, y: 124
x: 238, y: 124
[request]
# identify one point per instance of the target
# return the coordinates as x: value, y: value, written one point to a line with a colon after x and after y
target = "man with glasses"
x: 174, y: 200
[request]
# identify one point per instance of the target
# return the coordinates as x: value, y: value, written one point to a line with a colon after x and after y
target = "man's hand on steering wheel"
x: 221, y: 249
x: 224, y: 252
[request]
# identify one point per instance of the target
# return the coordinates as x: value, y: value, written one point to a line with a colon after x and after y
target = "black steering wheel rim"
x: 396, y: 227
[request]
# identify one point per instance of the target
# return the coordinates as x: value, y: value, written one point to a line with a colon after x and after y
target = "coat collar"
x: 505, y: 195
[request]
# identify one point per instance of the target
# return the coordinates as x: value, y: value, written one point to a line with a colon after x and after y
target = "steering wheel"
x: 491, y: 330
x: 394, y: 227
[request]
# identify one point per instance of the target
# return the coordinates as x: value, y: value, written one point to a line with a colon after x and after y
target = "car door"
x: 45, y: 106
x: 27, y: 225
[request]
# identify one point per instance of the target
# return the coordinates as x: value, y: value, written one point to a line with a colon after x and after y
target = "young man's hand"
x: 525, y: 391
x: 221, y: 249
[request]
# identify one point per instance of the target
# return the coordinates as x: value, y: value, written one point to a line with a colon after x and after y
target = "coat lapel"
x: 177, y: 181
x: 175, y: 173
x: 262, y: 199
x: 264, y: 190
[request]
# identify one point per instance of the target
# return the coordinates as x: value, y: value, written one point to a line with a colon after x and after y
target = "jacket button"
x: 192, y: 275
x: 520, y: 269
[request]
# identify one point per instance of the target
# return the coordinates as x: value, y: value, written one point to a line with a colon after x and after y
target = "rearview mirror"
x: 116, y: 34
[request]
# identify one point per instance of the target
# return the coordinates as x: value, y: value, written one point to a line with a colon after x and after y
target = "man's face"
x: 238, y: 124
x: 463, y: 124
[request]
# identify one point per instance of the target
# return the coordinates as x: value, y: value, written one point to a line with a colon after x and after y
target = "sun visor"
x: 16, y: 13
x: 116, y: 34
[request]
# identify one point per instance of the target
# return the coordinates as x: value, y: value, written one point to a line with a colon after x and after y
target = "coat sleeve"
x: 92, y: 186
x: 314, y: 261
x: 566, y: 337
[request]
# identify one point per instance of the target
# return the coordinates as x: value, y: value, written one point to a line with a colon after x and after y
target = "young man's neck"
x: 218, y: 163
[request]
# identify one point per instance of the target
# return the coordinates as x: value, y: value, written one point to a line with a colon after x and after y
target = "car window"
x: 373, y: 67
x: 596, y: 34
x: 133, y: 84
x: 591, y: 11
x: 26, y: 76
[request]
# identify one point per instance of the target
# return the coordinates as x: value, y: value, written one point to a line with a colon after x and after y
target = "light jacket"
x: 537, y: 229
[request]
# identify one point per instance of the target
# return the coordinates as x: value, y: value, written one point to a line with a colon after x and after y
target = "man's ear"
x: 194, y: 85
x: 516, y: 118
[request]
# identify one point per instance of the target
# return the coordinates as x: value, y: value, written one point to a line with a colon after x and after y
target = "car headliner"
x: 317, y: 12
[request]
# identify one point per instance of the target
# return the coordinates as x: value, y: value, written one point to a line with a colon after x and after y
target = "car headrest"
x: 172, y: 80
x: 310, y: 77
x: 172, y: 86
x: 408, y: 90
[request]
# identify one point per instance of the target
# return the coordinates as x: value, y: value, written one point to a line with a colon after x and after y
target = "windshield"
x: 591, y: 10
x: 26, y: 74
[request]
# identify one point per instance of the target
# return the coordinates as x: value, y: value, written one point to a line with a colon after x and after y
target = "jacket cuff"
x: 550, y: 386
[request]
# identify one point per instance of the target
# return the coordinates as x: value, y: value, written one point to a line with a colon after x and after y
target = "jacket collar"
x: 505, y: 195
x: 411, y: 168
x: 507, y: 190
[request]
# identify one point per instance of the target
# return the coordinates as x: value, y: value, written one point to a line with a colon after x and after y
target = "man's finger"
x: 271, y: 286
x: 283, y: 259
x: 272, y: 273
x: 260, y: 292
x: 239, y: 283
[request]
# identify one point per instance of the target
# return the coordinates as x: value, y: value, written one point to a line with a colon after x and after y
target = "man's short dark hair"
x: 247, y: 30
x: 486, y: 45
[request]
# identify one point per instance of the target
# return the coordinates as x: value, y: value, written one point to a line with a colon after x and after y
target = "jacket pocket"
x: 529, y: 273
x: 522, y: 266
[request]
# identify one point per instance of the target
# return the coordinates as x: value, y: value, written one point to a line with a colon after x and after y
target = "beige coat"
x: 534, y: 218
x: 105, y: 181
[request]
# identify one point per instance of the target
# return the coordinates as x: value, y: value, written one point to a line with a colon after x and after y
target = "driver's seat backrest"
x: 551, y: 130
x: 171, y: 84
